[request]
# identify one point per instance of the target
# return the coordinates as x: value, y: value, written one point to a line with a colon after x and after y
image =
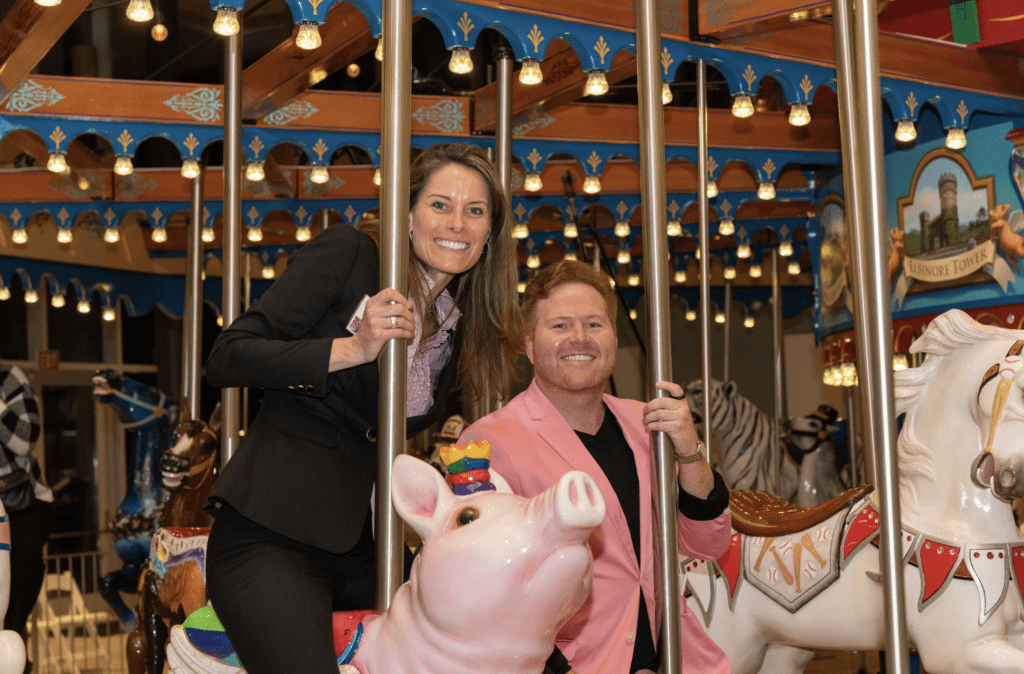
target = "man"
x: 563, y: 422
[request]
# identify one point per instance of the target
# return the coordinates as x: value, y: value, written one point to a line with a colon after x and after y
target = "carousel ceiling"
x: 126, y: 105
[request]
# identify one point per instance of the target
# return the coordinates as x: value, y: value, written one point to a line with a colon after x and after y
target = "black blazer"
x: 306, y: 467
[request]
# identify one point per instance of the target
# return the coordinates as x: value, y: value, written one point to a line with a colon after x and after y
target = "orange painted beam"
x: 723, y: 21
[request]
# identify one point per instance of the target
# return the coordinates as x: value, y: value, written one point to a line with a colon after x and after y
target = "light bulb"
x: 111, y: 235
x: 729, y: 273
x: 623, y: 256
x: 308, y: 36
x: 848, y: 371
x: 674, y: 228
x: 83, y: 184
x: 376, y: 177
x: 748, y: 322
x: 597, y: 84
x: 766, y: 190
x: 533, y: 261
x: 691, y: 315
x: 956, y: 139
x: 726, y: 227
x: 521, y: 287
x: 255, y: 234
x: 592, y: 184
x: 742, y: 106
x: 799, y: 115
x: 906, y: 131
x: 743, y: 251
x: 632, y: 314
x: 319, y: 174
x: 319, y: 74
x: 899, y: 362
x: 19, y: 235
x: 570, y: 231
x: 123, y: 165
x: 268, y: 271
x: 5, y: 293
x: 208, y: 234
x: 378, y: 53
x: 696, y: 253
x: 47, y: 3
x: 611, y: 282
x: 140, y: 10
x: 226, y: 22
x: 57, y: 162
x: 57, y: 301
x: 64, y: 235
x: 666, y: 93
x: 109, y: 314
x: 532, y: 182
x: 530, y: 73
x: 190, y: 168
x: 520, y: 231
x: 83, y: 306
x: 828, y: 376
x: 352, y: 70
x: 159, y: 31
x: 460, y: 63
x: 755, y: 271
x: 159, y: 234
x: 719, y: 317
x: 712, y: 189
x: 220, y: 321
x: 570, y: 255
x: 793, y: 268
x: 785, y: 249
x: 633, y: 279
x: 680, y: 276
x: 31, y: 296
x: 302, y: 234
x: 254, y: 171
x: 622, y: 228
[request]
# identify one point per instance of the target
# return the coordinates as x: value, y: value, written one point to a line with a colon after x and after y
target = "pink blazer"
x: 532, y: 446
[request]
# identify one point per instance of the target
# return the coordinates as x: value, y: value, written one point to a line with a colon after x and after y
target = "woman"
x: 293, y: 539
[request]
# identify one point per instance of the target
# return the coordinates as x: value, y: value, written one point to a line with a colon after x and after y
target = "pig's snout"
x: 578, y: 502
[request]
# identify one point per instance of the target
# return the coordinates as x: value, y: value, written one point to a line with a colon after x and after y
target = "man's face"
x: 572, y: 344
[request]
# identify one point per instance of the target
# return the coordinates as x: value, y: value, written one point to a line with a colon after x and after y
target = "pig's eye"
x: 467, y: 516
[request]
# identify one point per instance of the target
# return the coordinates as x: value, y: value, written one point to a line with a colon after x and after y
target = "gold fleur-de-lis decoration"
x: 125, y: 139
x: 63, y: 216
x: 536, y: 38
x: 806, y: 85
x: 741, y: 233
x: 911, y: 103
x: 962, y: 111
x: 666, y: 59
x: 253, y: 214
x: 712, y: 165
x: 314, y: 4
x: 301, y: 214
x: 621, y: 209
x: 601, y: 48
x: 594, y: 160
x: 725, y: 207
x: 768, y: 168
x: 784, y: 231
x: 256, y: 145
x: 673, y: 208
x: 320, y: 148
x: 15, y: 216
x: 57, y: 137
x: 206, y: 214
x: 157, y: 215
x: 534, y: 157
x: 466, y: 25
x: 520, y: 211
x: 191, y: 143
x: 349, y: 213
x: 109, y: 216
x: 749, y: 76
x: 528, y: 245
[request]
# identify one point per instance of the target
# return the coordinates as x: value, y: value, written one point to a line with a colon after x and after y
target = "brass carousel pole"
x: 502, y: 154
x: 230, y: 398
x: 394, y: 252
x: 193, y: 342
x: 861, y: 115
x: 705, y: 247
x: 778, y: 359
x: 727, y: 310
x: 659, y: 361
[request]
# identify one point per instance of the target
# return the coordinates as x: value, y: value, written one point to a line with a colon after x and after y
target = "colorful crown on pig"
x: 468, y: 466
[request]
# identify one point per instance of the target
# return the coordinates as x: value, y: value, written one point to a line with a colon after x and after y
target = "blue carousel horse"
x: 150, y: 416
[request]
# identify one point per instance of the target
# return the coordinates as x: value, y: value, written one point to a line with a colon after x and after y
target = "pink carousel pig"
x: 497, y: 577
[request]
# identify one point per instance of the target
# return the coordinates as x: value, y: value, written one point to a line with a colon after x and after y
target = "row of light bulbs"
x: 956, y: 137
x: 57, y: 301
x: 845, y: 373
x: 592, y: 185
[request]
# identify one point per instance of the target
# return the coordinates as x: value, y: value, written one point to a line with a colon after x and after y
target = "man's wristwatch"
x: 700, y: 455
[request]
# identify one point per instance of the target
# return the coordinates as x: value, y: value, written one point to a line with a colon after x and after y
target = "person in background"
x: 32, y: 519
x: 293, y: 536
x: 564, y: 422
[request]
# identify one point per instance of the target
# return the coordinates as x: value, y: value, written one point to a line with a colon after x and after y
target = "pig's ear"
x: 420, y: 494
x: 500, y: 485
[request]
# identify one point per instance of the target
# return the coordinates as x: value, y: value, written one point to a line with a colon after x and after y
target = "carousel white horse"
x: 816, y: 583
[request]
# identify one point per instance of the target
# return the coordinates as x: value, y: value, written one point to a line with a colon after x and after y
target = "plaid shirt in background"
x: 19, y: 413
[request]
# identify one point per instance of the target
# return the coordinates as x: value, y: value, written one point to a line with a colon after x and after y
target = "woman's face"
x: 450, y: 222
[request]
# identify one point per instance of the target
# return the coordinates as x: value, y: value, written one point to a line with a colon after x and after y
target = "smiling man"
x: 564, y: 421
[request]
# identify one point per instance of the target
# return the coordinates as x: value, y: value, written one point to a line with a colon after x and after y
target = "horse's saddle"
x: 758, y: 513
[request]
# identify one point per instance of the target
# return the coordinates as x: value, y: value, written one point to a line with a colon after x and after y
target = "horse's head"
x: 136, y: 403
x: 190, y: 457
x: 805, y: 434
x: 1001, y: 407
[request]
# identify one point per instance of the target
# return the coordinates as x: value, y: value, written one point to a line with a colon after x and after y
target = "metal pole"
x: 851, y: 434
x: 778, y: 356
x: 232, y: 225
x: 325, y: 219
x: 659, y: 361
x: 394, y: 251
x: 246, y: 301
x: 193, y: 343
x: 502, y: 156
x: 873, y: 297
x: 705, y: 247
x: 727, y: 303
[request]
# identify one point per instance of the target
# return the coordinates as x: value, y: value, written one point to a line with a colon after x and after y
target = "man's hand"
x: 672, y: 416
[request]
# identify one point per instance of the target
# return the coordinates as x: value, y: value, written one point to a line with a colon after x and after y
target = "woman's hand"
x: 387, y: 315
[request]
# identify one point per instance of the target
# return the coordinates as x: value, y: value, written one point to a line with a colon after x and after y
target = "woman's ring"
x: 394, y: 321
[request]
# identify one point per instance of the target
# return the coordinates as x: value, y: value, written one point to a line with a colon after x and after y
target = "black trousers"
x: 30, y: 530
x: 275, y: 596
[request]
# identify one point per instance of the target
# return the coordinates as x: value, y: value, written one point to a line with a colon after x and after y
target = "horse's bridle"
x: 155, y: 411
